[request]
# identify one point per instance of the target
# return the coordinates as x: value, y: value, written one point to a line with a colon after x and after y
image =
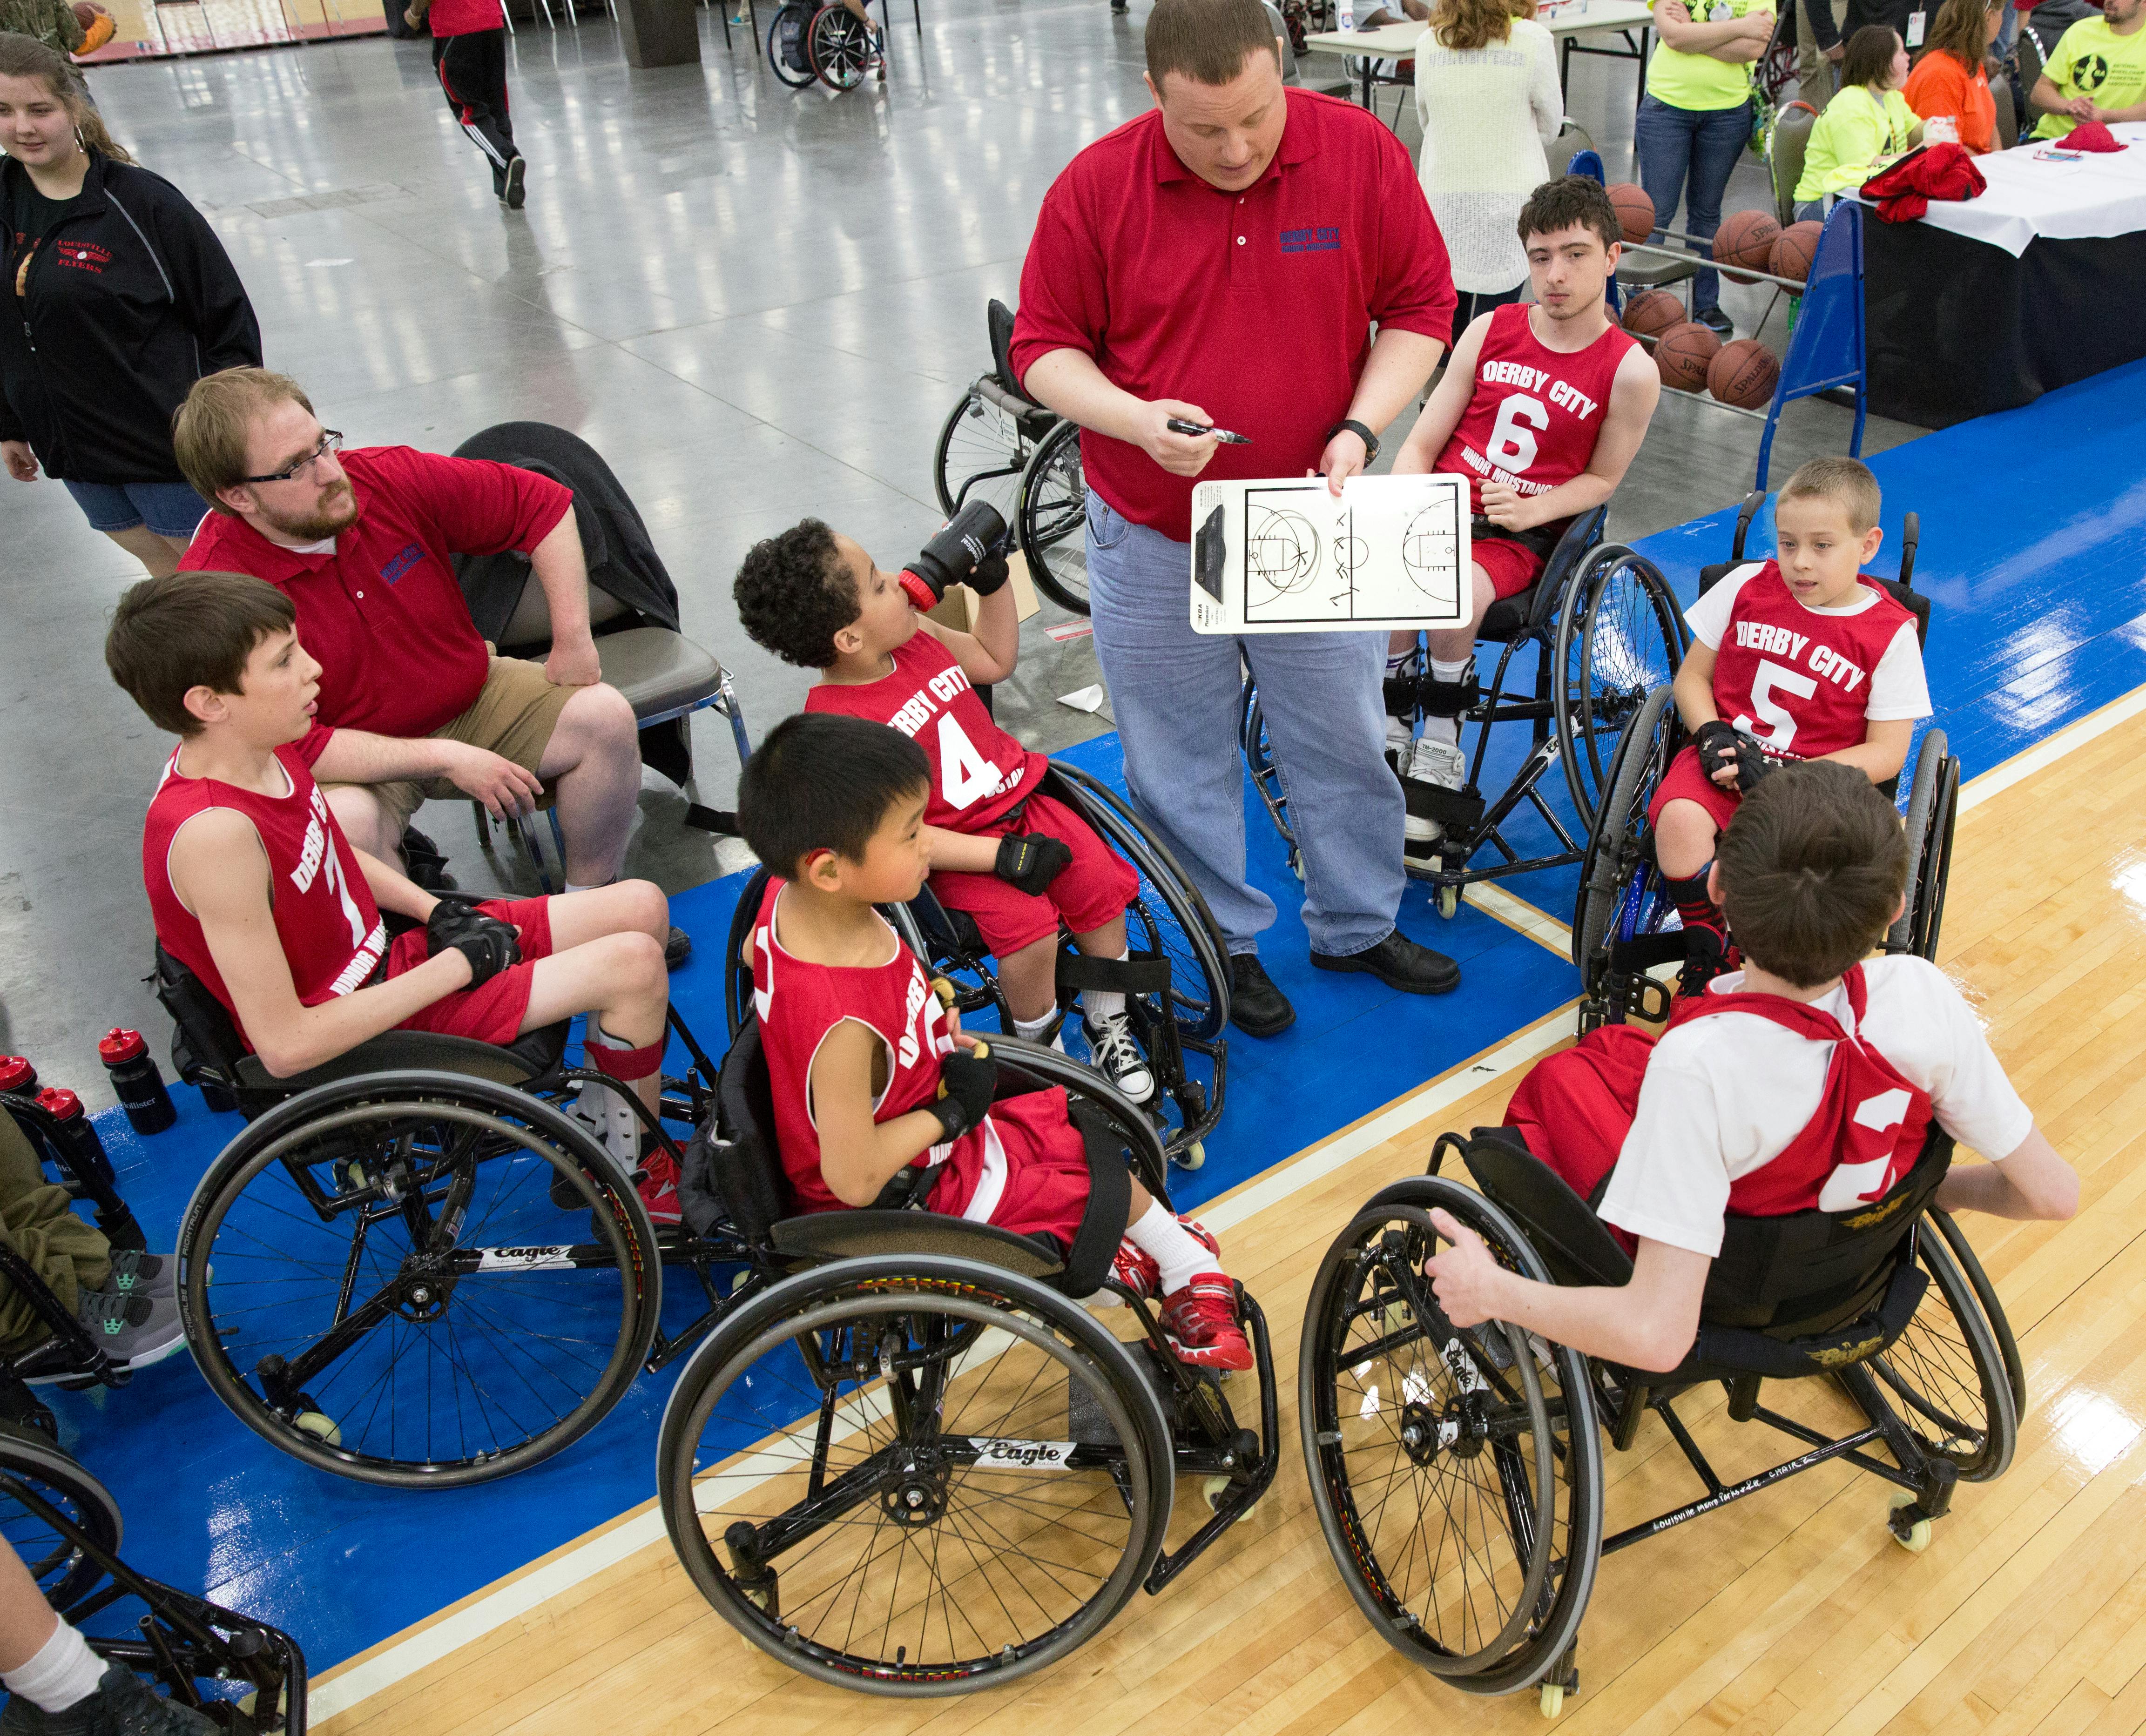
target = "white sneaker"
x: 1117, y: 1056
x: 1398, y: 741
x: 1438, y: 762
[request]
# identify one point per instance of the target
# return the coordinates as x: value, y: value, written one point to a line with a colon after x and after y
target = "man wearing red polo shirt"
x: 1221, y: 260
x: 413, y: 703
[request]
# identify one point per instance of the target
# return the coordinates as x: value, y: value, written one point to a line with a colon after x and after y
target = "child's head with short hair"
x: 189, y: 630
x: 1825, y: 530
x: 814, y: 597
x: 838, y: 802
x: 1811, y: 871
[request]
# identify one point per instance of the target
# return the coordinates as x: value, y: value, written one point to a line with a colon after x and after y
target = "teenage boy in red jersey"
x: 859, y: 1047
x: 1542, y: 409
x: 255, y: 888
x: 1016, y: 860
x: 1806, y: 1082
x: 1792, y: 658
x: 469, y: 58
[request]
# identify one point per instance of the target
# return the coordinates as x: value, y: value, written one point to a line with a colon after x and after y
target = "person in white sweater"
x: 1487, y: 93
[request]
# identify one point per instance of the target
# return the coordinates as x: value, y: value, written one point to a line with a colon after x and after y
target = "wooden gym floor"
x: 1790, y: 1614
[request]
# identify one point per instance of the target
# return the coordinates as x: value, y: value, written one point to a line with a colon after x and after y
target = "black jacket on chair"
x: 129, y: 299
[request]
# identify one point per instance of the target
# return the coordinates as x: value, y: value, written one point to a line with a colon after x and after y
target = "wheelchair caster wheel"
x: 1917, y: 1537
x: 314, y: 1423
x: 1191, y: 1157
x: 1216, y: 1490
x: 1449, y: 904
x: 1553, y: 1698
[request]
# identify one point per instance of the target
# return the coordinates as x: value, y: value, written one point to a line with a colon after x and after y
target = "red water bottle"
x: 17, y: 1075
x: 136, y: 1081
x: 76, y: 1138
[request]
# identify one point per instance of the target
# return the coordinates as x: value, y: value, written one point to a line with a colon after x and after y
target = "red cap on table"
x: 2088, y: 135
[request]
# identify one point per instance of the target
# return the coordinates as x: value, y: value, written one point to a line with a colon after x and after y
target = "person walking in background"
x: 1486, y: 92
x: 1695, y: 120
x: 119, y: 297
x: 1951, y: 83
x: 469, y: 55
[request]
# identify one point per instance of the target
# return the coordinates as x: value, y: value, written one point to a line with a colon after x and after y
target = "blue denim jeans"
x: 1688, y: 154
x: 1175, y: 695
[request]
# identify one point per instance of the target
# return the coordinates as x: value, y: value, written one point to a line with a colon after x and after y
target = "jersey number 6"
x: 1512, y: 446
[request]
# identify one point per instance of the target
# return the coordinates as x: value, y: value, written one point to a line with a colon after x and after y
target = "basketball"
x: 1635, y: 211
x: 1745, y: 238
x: 1652, y: 311
x: 97, y: 25
x: 1684, y: 352
x: 1743, y: 374
x: 1793, y: 249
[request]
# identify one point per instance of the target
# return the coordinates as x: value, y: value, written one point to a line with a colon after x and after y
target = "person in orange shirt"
x: 1951, y: 81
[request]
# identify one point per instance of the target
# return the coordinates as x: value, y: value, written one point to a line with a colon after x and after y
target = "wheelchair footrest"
x: 1458, y: 812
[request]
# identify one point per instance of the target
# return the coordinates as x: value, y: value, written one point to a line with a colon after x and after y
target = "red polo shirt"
x: 399, y: 654
x: 1257, y: 306
x: 465, y: 18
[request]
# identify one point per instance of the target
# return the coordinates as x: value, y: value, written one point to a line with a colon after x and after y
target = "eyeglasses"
x: 331, y: 441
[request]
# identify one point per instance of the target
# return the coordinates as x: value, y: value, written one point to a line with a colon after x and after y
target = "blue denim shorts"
x: 170, y: 509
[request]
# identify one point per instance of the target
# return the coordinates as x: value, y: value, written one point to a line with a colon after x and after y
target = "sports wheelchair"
x: 1458, y: 1473
x: 1625, y: 925
x: 916, y: 1464
x: 1176, y: 982
x: 1599, y: 629
x: 823, y: 40
x: 66, y: 1527
x: 999, y: 444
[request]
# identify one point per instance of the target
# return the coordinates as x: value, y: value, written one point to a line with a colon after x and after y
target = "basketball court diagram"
x: 1286, y: 556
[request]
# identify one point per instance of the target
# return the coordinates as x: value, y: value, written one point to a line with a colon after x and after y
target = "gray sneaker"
x: 1430, y: 762
x: 149, y: 1274
x: 123, y: 1705
x: 134, y: 1328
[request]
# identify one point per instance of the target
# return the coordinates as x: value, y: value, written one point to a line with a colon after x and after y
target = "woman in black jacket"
x: 118, y: 298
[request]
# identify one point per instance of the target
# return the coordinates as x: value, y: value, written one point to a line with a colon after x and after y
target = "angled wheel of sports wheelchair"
x: 1458, y: 1473
x: 1052, y: 521
x: 918, y: 1465
x: 787, y: 50
x: 988, y: 438
x: 840, y: 47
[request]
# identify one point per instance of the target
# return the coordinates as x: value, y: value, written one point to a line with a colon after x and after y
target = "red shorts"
x: 1683, y: 781
x: 492, y: 1012
x: 1512, y: 566
x: 1095, y: 886
x: 1046, y: 1191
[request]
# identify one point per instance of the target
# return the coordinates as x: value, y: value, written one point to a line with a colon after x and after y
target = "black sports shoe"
x: 1716, y: 322
x: 1257, y: 1007
x: 514, y: 193
x: 123, y: 1705
x: 1399, y: 963
x: 677, y: 948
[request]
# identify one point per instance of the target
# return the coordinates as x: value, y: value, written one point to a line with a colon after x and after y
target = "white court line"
x: 350, y: 1686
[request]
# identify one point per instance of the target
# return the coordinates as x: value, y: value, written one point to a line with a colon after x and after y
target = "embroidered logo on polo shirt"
x: 1322, y: 240
x: 402, y: 563
x: 84, y: 256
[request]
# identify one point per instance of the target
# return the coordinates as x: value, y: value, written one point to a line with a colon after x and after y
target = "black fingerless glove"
x: 489, y: 944
x: 1029, y: 861
x: 1716, y: 747
x: 991, y: 575
x: 1751, y: 763
x: 967, y: 1082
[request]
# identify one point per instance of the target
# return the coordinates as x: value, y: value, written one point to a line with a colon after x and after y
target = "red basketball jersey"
x: 1797, y: 680
x: 329, y: 926
x: 1535, y: 414
x: 978, y: 771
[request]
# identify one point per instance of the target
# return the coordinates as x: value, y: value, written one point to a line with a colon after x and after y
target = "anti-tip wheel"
x: 1191, y: 1157
x: 1216, y: 1489
x: 1449, y: 903
x: 314, y: 1422
x: 1553, y: 1698
x: 1917, y: 1537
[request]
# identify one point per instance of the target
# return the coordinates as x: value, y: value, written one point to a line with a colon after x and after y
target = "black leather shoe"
x: 1399, y: 963
x: 1257, y: 1007
x: 676, y: 949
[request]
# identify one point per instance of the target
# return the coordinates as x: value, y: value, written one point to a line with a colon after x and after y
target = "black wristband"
x: 1370, y: 439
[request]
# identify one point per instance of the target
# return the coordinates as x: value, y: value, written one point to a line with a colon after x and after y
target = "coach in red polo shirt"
x: 1222, y: 260
x: 413, y: 703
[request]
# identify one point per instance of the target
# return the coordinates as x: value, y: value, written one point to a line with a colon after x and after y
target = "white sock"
x: 1396, y: 661
x: 1029, y: 1030
x: 1105, y: 1003
x: 64, y: 1672
x: 605, y: 1109
x: 1181, y: 1256
x: 1442, y: 671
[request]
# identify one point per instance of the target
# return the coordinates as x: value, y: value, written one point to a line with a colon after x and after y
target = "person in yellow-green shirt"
x: 2097, y: 73
x: 1866, y: 126
x: 1695, y: 119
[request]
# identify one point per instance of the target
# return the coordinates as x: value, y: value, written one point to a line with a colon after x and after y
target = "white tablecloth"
x: 2097, y: 197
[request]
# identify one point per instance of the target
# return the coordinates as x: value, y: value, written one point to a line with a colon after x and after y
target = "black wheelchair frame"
x: 1567, y: 617
x: 1846, y: 1296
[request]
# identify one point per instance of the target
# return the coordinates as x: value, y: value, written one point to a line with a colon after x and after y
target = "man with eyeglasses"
x: 413, y: 704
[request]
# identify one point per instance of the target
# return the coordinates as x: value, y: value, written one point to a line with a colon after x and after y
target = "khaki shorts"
x: 513, y: 715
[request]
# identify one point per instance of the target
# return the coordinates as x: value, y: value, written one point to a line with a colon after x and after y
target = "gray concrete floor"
x: 757, y: 302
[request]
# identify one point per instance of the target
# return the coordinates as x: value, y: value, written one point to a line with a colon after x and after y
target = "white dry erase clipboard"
x: 1285, y: 557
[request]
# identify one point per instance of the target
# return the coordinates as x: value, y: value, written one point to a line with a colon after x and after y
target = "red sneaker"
x: 659, y: 1188
x: 1136, y: 1268
x: 1200, y: 1322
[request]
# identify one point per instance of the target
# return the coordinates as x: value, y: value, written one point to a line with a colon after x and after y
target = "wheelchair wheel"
x: 1168, y: 916
x: 1933, y: 806
x: 913, y: 1474
x: 1621, y: 897
x: 1619, y: 635
x: 1945, y: 1377
x: 1992, y: 1311
x: 1457, y: 1475
x: 417, y: 1279
x: 31, y: 1465
x: 839, y: 47
x: 787, y: 50
x: 1053, y: 520
x: 981, y: 455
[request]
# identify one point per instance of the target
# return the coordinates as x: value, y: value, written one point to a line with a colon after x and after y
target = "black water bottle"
x: 78, y: 1139
x: 136, y: 1081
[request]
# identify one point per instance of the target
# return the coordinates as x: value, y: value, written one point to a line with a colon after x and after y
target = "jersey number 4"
x: 965, y: 774
x: 1774, y: 678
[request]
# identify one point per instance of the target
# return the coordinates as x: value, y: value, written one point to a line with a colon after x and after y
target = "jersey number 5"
x: 963, y: 774
x: 1512, y: 446
x: 1780, y: 728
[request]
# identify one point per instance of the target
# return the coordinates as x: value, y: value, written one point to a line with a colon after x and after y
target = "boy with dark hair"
x: 1016, y: 860
x: 1806, y: 1082
x: 872, y: 1077
x: 255, y: 888
x: 1542, y: 409
x: 1792, y: 658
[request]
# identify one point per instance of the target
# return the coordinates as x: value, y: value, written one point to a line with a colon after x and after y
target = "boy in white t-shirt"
x: 1806, y: 1081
